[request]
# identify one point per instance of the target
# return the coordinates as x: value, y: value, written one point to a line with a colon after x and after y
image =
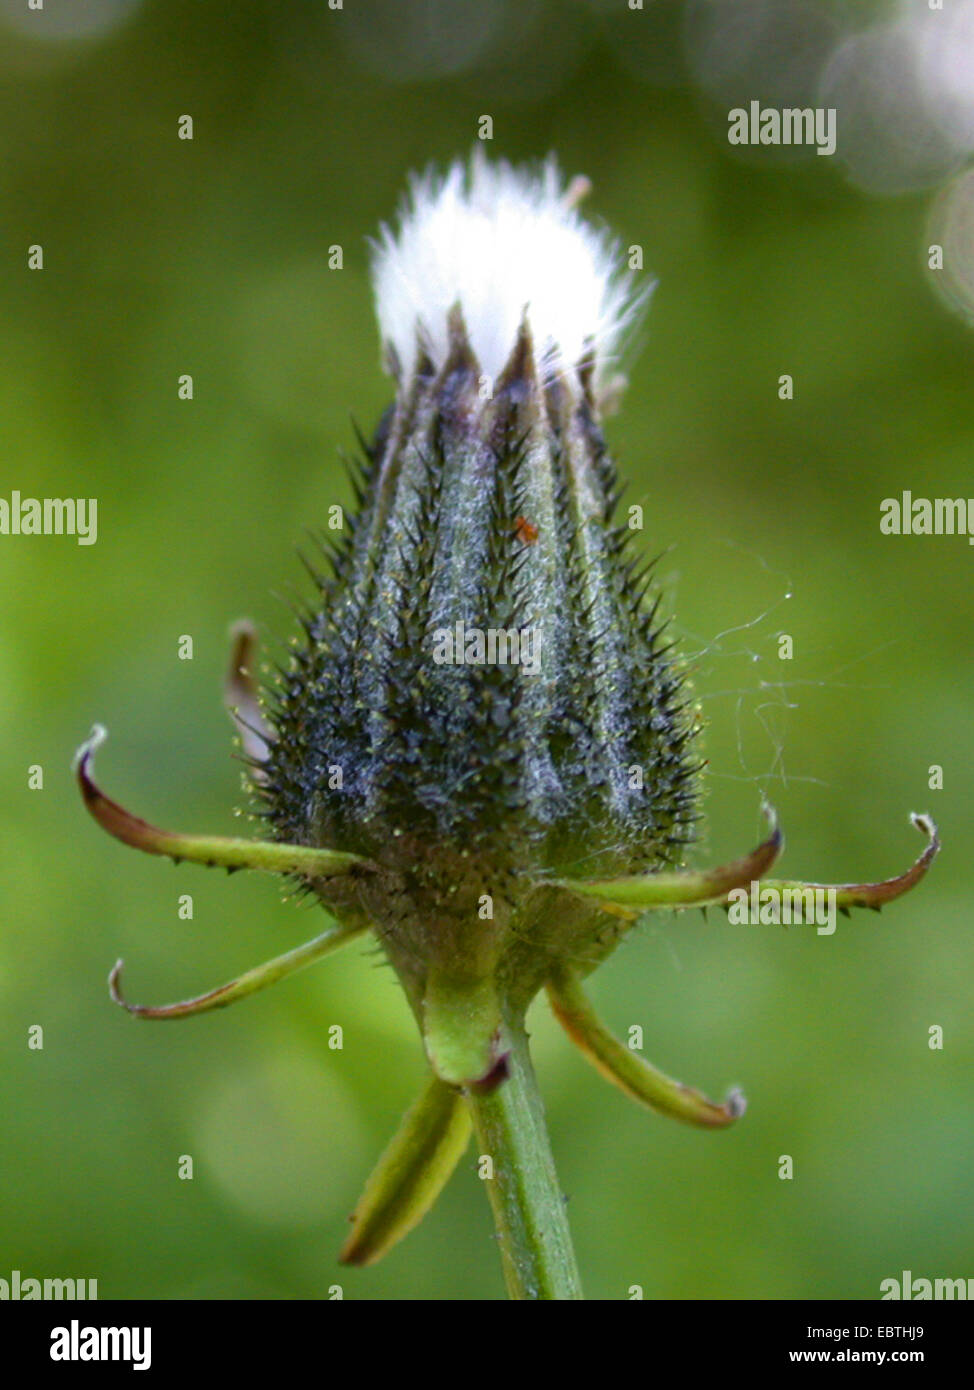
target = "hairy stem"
x: 529, y: 1210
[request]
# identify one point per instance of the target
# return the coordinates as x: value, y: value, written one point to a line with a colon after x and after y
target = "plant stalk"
x: 529, y: 1209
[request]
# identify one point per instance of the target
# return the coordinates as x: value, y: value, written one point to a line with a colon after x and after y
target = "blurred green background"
x: 209, y: 257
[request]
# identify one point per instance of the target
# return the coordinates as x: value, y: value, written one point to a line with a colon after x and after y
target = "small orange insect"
x: 525, y: 531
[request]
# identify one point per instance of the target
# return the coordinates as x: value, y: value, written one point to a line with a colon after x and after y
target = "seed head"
x: 482, y: 665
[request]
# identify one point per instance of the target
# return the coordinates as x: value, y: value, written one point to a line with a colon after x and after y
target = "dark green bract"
x: 463, y: 781
x: 496, y: 514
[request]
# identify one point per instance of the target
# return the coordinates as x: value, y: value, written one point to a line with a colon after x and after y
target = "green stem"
x: 529, y: 1210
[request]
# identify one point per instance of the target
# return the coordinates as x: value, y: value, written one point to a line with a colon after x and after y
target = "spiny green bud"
x: 480, y: 752
x: 483, y: 672
x: 482, y: 669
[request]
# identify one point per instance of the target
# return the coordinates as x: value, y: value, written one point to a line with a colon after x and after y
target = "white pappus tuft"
x: 502, y: 242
